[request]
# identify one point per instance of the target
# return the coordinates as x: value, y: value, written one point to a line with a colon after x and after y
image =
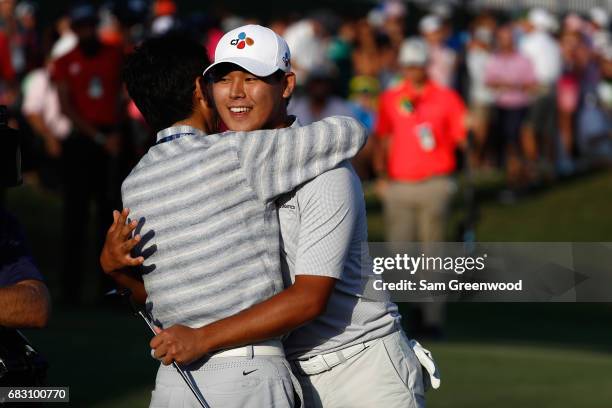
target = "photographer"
x: 24, y: 298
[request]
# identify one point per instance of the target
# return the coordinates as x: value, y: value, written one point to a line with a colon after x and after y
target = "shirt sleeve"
x: 277, y: 161
x: 33, y: 95
x: 383, y: 122
x: 329, y: 207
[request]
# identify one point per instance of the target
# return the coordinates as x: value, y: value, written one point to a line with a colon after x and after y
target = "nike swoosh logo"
x: 248, y: 372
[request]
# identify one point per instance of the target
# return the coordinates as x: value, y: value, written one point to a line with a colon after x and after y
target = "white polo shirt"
x: 323, y: 224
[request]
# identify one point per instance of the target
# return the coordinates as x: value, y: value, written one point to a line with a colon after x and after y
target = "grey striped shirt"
x: 207, y: 212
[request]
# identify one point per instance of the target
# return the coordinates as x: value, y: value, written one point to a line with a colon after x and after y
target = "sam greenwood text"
x: 452, y: 285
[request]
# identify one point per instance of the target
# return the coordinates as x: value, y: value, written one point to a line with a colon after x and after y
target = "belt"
x: 324, y: 362
x: 265, y: 348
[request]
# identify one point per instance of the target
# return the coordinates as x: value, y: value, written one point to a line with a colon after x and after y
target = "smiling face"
x: 246, y: 102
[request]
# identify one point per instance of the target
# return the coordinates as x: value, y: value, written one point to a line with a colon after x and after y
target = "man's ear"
x: 288, y: 85
x: 202, y: 93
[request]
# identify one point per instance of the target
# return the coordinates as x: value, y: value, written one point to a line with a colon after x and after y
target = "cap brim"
x: 253, y: 66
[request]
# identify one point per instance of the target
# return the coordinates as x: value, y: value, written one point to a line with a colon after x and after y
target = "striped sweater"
x: 207, y: 217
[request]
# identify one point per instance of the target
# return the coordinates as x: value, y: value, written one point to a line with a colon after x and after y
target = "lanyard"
x: 173, y: 137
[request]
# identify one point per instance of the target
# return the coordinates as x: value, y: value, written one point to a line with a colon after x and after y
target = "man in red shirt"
x: 89, y: 87
x: 420, y: 124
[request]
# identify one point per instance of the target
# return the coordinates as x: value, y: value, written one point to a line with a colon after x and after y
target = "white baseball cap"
x: 413, y: 52
x: 430, y: 24
x: 600, y: 17
x: 257, y: 49
x: 542, y: 20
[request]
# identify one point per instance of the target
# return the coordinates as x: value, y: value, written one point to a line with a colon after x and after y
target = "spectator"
x: 28, y: 37
x: 366, y: 51
x: 442, y: 60
x: 480, y: 96
x: 319, y: 101
x: 364, y: 92
x: 542, y: 49
x: 309, y: 42
x: 41, y: 109
x: 512, y: 78
x: 89, y: 88
x: 599, y: 28
x: 595, y: 120
x: 24, y: 298
x: 420, y: 124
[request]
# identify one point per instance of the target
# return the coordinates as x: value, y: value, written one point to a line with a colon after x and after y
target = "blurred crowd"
x: 534, y: 89
x: 537, y: 84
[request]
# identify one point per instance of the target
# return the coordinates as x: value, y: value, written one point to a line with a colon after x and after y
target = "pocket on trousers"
x: 406, y: 366
x: 167, y: 397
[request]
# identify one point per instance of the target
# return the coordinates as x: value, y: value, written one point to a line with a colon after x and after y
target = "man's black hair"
x: 160, y: 77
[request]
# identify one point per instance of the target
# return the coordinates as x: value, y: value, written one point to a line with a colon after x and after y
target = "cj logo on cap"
x: 242, y: 41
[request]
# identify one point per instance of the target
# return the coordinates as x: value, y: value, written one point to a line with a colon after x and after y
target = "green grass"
x: 485, y: 375
x: 496, y: 355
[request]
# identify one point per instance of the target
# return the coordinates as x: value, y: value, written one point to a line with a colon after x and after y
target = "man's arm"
x: 297, y: 305
x: 25, y: 304
x: 277, y: 161
x: 329, y: 211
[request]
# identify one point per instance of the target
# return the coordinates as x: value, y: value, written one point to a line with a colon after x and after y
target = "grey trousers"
x: 386, y: 374
x: 229, y: 382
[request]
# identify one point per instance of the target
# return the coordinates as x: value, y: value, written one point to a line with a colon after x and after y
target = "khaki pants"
x: 418, y: 212
x: 386, y: 374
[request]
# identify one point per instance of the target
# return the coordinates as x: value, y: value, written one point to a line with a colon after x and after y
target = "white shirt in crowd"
x: 308, y: 50
x: 543, y: 51
x: 480, y: 93
x: 40, y: 97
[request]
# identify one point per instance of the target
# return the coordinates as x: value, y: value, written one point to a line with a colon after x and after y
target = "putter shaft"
x: 126, y: 295
x: 178, y: 368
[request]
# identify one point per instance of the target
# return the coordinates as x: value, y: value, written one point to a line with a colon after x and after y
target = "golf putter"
x: 125, y: 295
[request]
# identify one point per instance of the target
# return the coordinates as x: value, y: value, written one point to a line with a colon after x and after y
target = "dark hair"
x: 160, y: 77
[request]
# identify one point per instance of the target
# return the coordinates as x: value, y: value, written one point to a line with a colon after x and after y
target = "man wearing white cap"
x: 442, y: 59
x: 543, y: 50
x: 346, y: 351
